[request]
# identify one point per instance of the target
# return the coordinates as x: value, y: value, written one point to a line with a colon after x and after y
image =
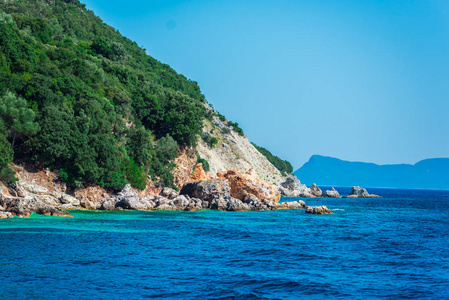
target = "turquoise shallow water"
x: 394, y: 247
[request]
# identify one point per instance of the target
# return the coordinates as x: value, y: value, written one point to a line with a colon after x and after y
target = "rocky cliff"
x: 233, y: 151
x: 42, y: 191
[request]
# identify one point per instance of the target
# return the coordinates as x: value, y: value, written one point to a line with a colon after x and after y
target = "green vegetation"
x: 225, y: 130
x: 236, y: 127
x: 210, y: 140
x: 205, y: 163
x: 77, y: 96
x: 282, y: 165
x: 6, y: 155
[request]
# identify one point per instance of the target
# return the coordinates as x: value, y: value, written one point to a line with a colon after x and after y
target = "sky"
x: 357, y: 80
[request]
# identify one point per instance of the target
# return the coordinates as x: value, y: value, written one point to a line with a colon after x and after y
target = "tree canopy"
x: 78, y: 97
x: 282, y: 165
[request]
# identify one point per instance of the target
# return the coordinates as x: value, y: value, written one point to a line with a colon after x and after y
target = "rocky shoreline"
x: 232, y: 190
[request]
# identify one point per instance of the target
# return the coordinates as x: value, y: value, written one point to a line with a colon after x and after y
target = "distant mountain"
x: 426, y: 174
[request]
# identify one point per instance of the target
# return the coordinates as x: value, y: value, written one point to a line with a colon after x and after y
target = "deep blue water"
x: 394, y: 247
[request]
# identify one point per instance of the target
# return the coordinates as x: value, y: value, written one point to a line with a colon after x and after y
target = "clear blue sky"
x: 358, y: 80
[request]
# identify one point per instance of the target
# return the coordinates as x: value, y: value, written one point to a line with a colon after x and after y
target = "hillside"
x: 426, y: 174
x: 225, y: 149
x: 79, y: 98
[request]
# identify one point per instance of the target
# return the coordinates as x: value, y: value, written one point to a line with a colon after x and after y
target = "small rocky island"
x: 358, y: 192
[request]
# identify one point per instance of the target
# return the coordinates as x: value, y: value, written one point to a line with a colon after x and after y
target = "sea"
x: 394, y: 247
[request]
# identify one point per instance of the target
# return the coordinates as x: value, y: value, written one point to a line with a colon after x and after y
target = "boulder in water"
x: 315, y: 190
x: 358, y: 192
x: 318, y: 210
x: 331, y: 194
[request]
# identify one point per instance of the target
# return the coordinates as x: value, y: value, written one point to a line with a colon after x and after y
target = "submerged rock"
x: 331, y: 194
x: 318, y: 210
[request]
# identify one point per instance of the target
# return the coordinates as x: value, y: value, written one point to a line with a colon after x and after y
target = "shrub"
x: 225, y: 130
x: 210, y: 140
x: 204, y: 162
x: 282, y: 165
x: 236, y: 127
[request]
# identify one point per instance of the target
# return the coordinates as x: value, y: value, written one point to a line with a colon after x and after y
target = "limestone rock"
x: 35, y: 189
x: 234, y: 151
x: 219, y: 204
x: 169, y: 193
x: 67, y: 199
x: 109, y: 203
x: 24, y: 207
x: 237, y: 205
x: 358, y: 192
x: 48, y: 210
x: 195, y: 204
x: 207, y: 190
x: 91, y: 197
x: 292, y: 187
x: 331, y: 194
x: 6, y: 215
x: 315, y: 190
x: 292, y: 205
x: 255, y: 204
x: 318, y: 210
x: 199, y: 173
x: 244, y: 184
x: 269, y: 204
x: 17, y: 190
x: 128, y: 199
x: 181, y: 202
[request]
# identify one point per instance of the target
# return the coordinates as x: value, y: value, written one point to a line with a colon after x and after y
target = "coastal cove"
x: 213, y: 254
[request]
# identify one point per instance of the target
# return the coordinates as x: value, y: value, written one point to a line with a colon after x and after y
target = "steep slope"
x: 230, y: 149
x: 429, y: 173
x: 97, y: 109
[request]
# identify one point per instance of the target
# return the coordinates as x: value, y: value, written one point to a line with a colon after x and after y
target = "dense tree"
x: 17, y: 117
x: 282, y: 165
x: 6, y: 156
x: 85, y: 100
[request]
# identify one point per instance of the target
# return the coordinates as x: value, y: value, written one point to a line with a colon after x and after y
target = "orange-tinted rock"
x: 199, y: 174
x: 183, y: 170
x: 150, y: 190
x: 248, y: 183
x: 91, y: 197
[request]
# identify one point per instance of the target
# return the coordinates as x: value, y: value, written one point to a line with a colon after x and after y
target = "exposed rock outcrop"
x: 315, y: 190
x: 331, y: 194
x: 6, y: 215
x: 24, y: 207
x: 292, y: 205
x: 234, y: 151
x: 199, y: 173
x: 318, y: 210
x: 208, y: 190
x: 292, y: 187
x: 358, y: 192
x: 248, y: 183
x: 233, y: 191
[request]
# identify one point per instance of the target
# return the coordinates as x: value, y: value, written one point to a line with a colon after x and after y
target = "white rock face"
x: 235, y: 151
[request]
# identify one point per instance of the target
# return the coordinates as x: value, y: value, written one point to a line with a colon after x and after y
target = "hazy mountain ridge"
x: 426, y: 174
